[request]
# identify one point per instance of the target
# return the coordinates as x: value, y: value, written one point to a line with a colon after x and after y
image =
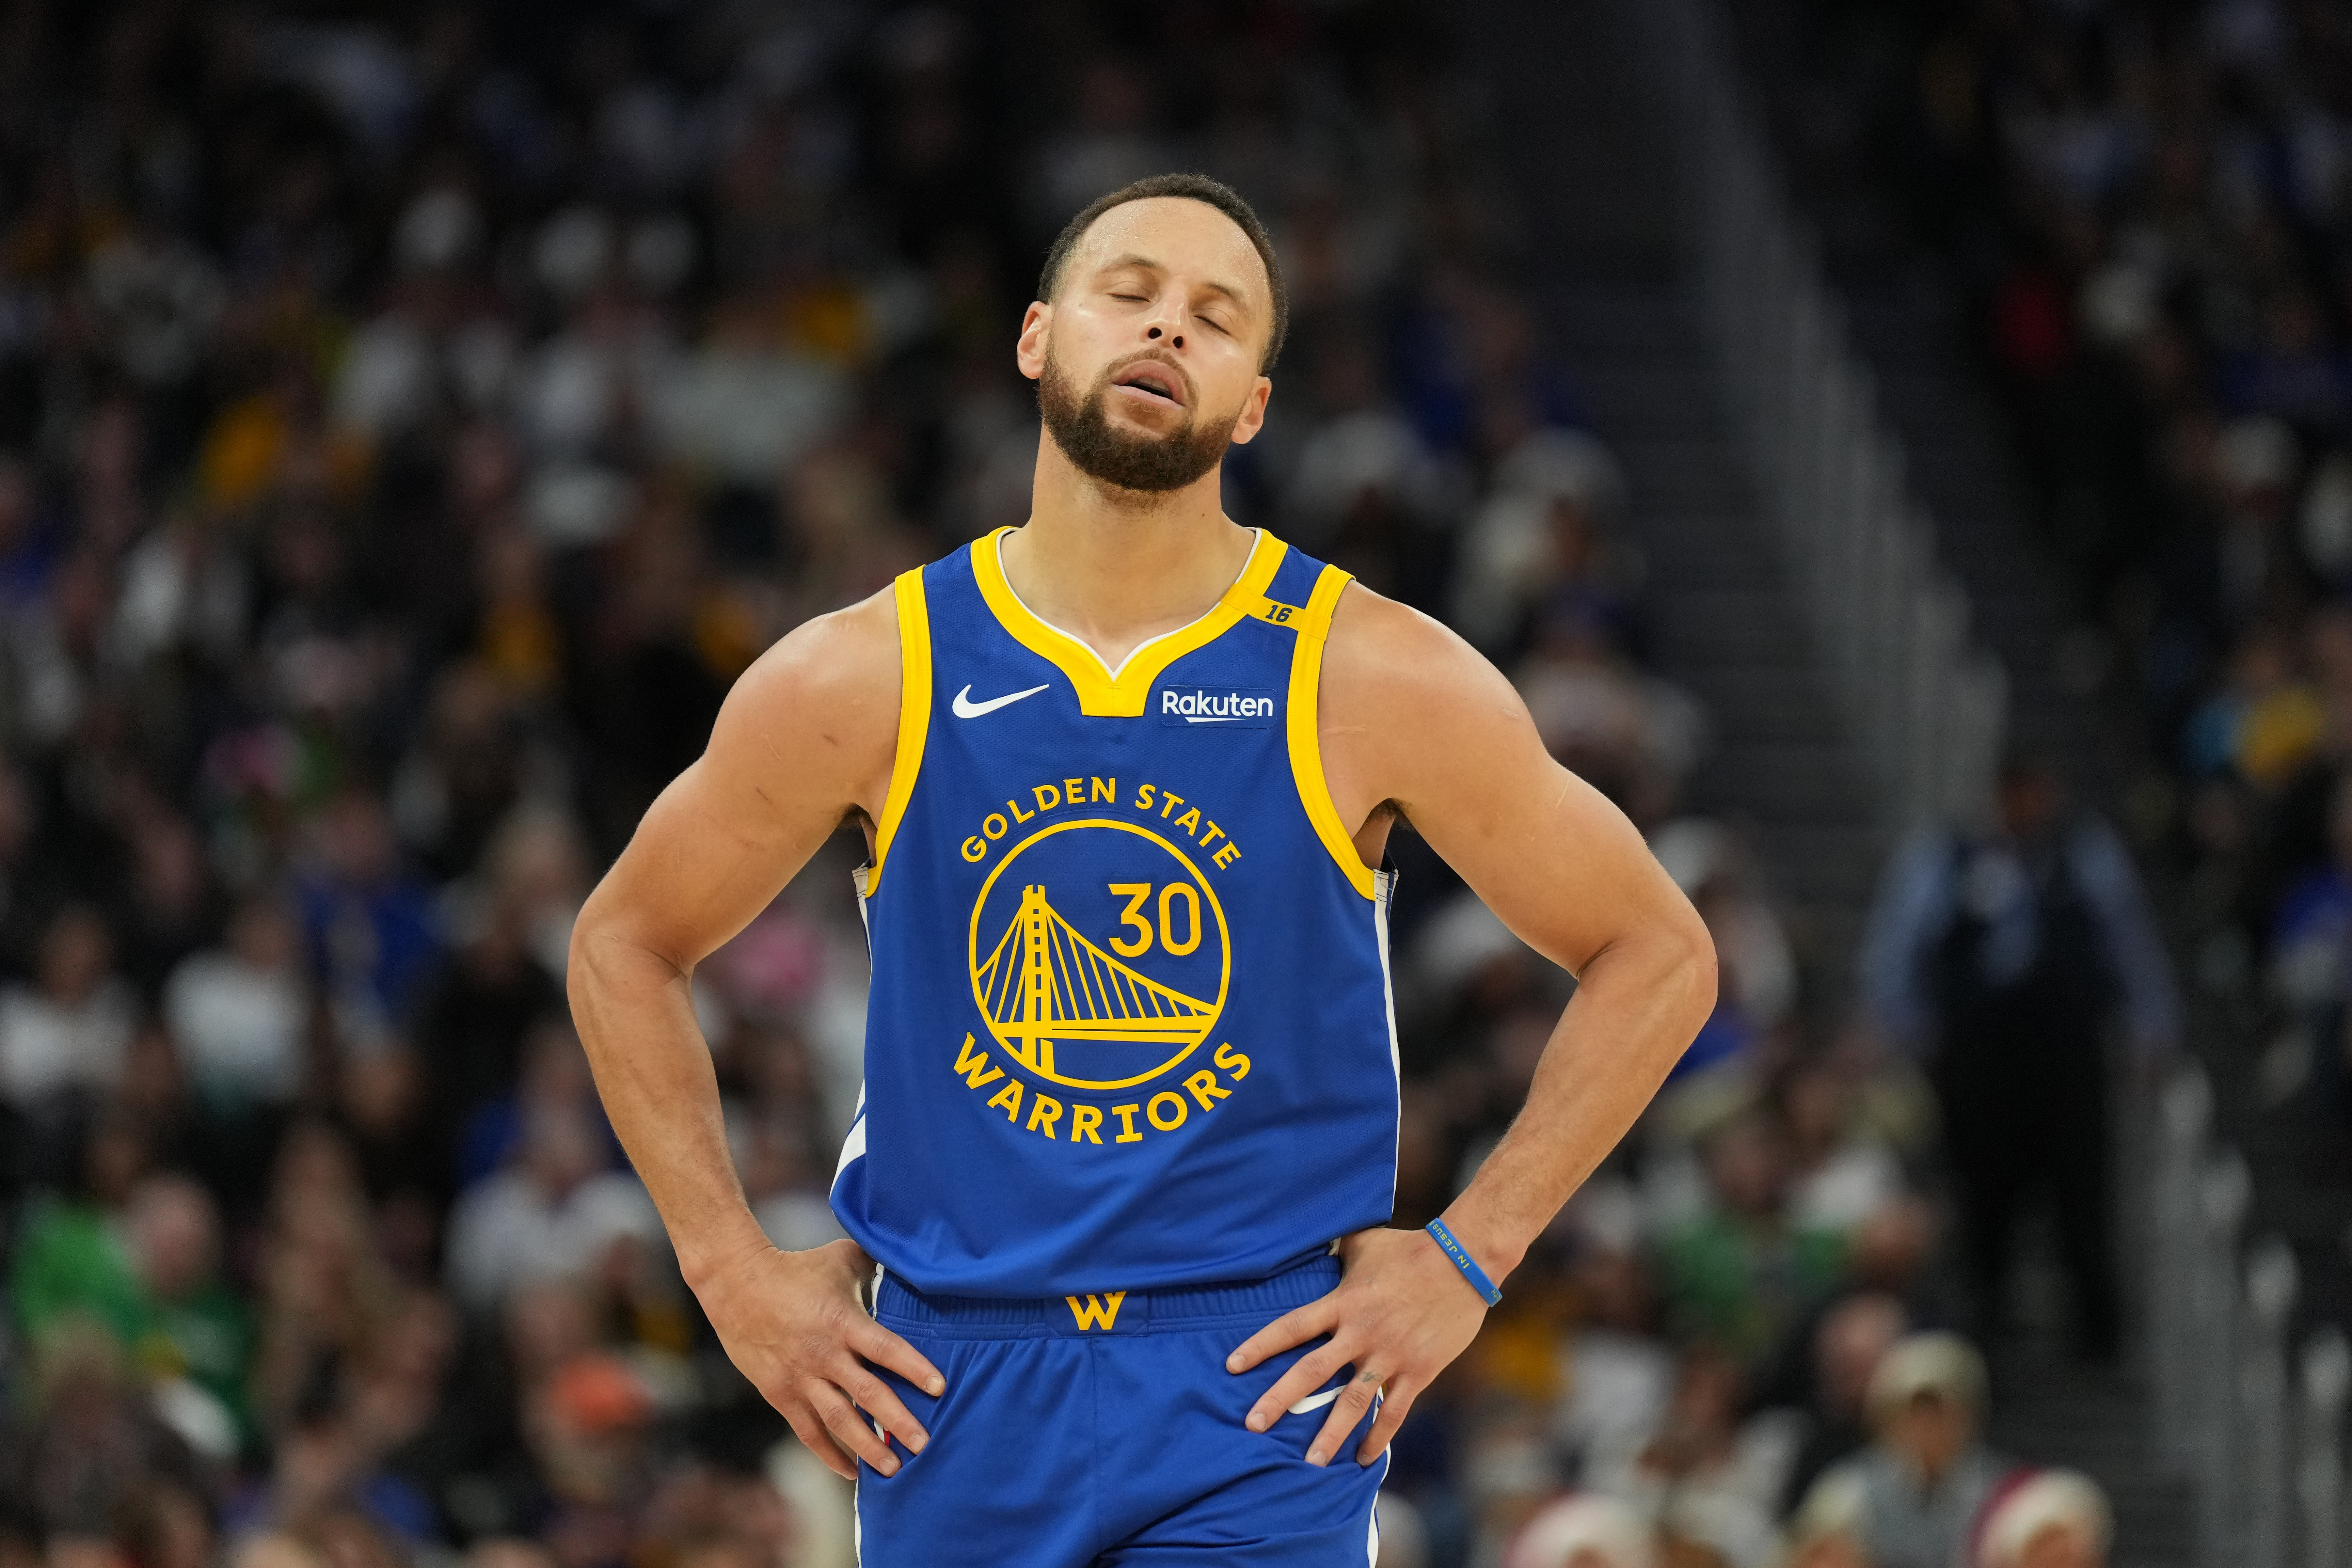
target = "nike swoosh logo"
x: 965, y: 708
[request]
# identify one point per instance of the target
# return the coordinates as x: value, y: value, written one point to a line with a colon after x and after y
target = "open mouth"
x: 1153, y: 381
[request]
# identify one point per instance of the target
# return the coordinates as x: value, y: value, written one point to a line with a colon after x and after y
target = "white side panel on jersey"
x: 1386, y: 881
x: 853, y: 1148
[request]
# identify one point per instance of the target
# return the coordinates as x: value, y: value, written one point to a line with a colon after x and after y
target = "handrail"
x: 2260, y: 1431
x: 1928, y: 704
x: 2272, y: 1282
x: 2184, y: 1121
x: 2326, y: 1379
x: 2224, y: 1190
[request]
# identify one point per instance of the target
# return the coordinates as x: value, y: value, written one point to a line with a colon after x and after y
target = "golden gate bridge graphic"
x: 1045, y: 983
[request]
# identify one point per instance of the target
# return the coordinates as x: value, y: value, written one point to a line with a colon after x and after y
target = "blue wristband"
x: 1464, y: 1261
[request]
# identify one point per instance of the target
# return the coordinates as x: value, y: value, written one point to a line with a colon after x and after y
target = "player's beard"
x: 1128, y: 459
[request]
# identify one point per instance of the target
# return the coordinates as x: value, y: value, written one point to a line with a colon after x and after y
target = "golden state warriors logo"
x: 1099, y: 954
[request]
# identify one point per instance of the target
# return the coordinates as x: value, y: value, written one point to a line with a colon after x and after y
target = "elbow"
x: 590, y: 935
x: 578, y: 961
x: 611, y: 958
x: 1695, y: 971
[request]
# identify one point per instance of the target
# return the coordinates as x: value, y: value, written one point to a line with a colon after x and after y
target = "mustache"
x: 1153, y: 356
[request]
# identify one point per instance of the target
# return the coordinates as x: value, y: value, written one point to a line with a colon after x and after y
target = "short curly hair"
x: 1190, y: 188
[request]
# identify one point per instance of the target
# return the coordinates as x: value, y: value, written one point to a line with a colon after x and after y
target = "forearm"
x: 1636, y: 1007
x: 634, y: 1011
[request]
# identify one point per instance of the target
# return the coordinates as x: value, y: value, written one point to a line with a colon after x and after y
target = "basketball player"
x: 1118, y: 1286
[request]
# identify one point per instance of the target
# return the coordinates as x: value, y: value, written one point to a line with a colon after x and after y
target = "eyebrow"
x: 1232, y: 291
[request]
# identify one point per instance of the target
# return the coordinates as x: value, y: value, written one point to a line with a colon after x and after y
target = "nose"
x: 1164, y: 330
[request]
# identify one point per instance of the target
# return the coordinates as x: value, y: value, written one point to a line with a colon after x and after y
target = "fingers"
x: 1396, y: 1399
x: 883, y: 1348
x: 1346, y: 1411
x: 849, y: 1429
x: 814, y: 1436
x: 1292, y: 1329
x: 873, y: 1395
x: 1312, y: 1371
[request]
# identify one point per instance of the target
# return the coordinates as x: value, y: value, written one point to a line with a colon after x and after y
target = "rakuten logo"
x: 1256, y: 709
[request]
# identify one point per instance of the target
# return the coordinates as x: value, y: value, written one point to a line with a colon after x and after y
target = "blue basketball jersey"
x: 1130, y: 1023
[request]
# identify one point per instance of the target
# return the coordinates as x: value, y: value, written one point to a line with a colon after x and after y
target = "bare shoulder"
x: 842, y: 656
x: 822, y: 700
x: 1390, y: 667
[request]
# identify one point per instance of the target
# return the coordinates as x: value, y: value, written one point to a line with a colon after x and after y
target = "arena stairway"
x: 1905, y: 318
x: 1590, y: 171
x: 1727, y: 623
x: 1905, y: 314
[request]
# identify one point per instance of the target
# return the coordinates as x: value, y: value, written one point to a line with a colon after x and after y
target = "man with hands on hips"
x: 1119, y: 1286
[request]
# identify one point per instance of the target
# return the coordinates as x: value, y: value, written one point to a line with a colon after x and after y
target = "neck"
x: 1116, y: 568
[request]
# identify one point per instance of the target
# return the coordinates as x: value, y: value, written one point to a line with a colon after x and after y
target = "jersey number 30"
x: 1139, y: 893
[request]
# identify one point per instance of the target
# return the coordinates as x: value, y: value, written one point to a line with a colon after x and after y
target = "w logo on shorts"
x: 1096, y: 1311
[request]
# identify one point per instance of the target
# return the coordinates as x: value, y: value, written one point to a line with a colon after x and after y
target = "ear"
x: 1029, y: 353
x: 1253, y: 414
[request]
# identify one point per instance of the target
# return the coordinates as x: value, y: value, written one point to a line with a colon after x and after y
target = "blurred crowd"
x: 2152, y: 205
x: 411, y: 423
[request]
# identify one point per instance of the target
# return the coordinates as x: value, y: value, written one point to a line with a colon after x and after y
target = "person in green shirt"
x: 70, y: 1258
x: 71, y: 1263
x: 196, y: 1326
x: 146, y: 1270
x: 1740, y: 1273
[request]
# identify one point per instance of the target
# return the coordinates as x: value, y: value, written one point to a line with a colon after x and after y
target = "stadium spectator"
x: 371, y: 928
x: 1703, y: 1477
x: 1999, y: 959
x: 1584, y: 1533
x: 2044, y: 1519
x: 1617, y: 1376
x: 64, y: 1037
x: 72, y: 1267
x: 1909, y: 1500
x: 1846, y: 1346
x: 239, y: 1013
x: 1742, y: 1270
x: 194, y: 1326
x: 1840, y: 1173
x: 556, y: 1209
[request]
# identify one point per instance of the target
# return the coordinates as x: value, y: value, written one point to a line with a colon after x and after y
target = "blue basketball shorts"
x: 1105, y: 1430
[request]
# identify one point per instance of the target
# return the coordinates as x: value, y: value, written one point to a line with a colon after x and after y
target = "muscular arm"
x: 805, y: 739
x: 1415, y: 724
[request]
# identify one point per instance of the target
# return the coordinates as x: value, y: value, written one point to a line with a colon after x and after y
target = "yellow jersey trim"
x: 1121, y: 693
x: 914, y: 715
x: 1305, y: 740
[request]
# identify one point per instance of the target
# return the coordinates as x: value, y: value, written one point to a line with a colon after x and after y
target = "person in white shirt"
x: 238, y: 1012
x: 69, y: 1030
x: 553, y: 1212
